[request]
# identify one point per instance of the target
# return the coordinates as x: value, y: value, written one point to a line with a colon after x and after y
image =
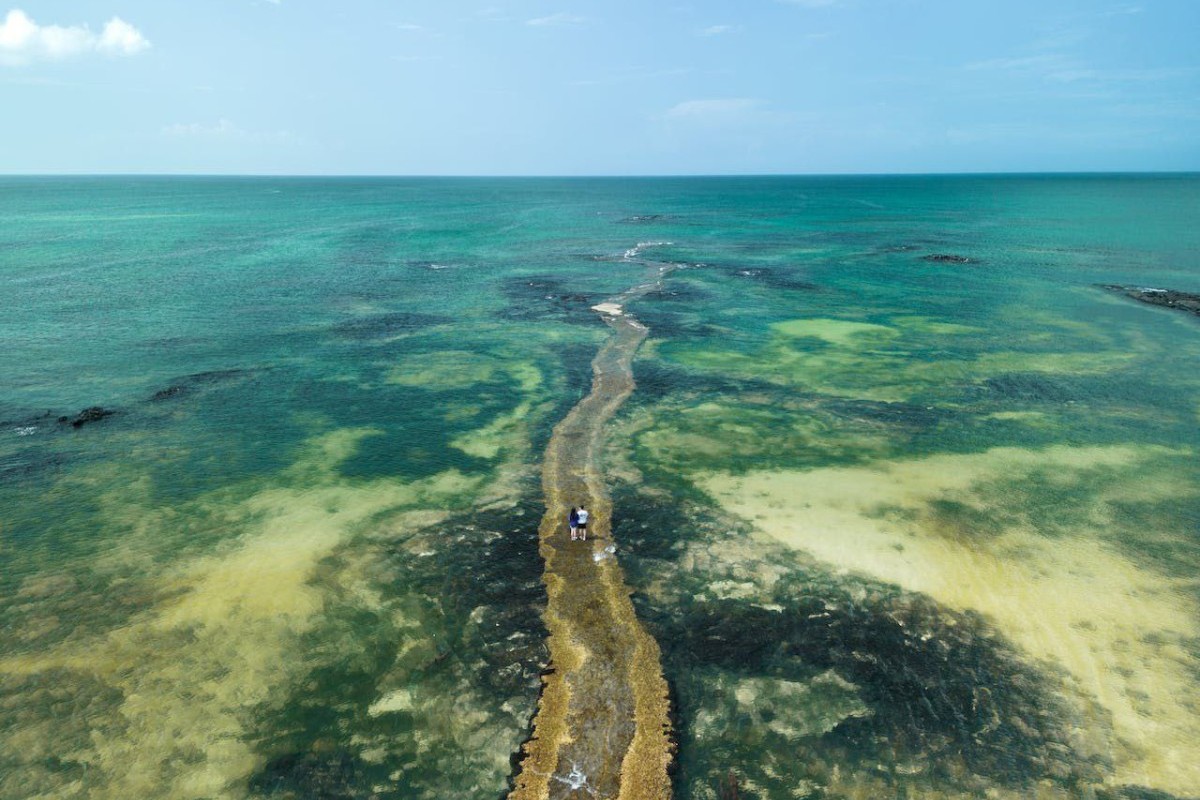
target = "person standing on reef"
x: 581, y: 520
x: 573, y: 520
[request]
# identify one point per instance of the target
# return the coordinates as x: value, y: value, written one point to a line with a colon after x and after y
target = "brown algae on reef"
x: 603, y: 723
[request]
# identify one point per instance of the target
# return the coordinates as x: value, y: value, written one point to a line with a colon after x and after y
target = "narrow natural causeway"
x: 602, y: 727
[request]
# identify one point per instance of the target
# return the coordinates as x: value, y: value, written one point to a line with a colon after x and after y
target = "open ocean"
x: 902, y: 527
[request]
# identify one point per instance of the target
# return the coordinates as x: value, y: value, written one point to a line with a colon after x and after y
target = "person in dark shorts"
x: 573, y: 521
x: 581, y: 519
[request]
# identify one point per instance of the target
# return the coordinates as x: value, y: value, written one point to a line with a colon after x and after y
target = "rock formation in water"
x: 948, y: 258
x: 1168, y: 298
x: 92, y: 414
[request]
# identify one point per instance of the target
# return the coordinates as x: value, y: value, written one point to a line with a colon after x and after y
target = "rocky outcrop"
x: 92, y: 414
x: 1167, y: 298
x: 948, y: 258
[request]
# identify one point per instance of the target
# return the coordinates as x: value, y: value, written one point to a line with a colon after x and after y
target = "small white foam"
x: 605, y: 554
x: 26, y: 431
x: 632, y: 253
x: 576, y: 780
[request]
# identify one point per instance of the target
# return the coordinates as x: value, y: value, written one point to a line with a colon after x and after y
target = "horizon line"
x: 613, y: 176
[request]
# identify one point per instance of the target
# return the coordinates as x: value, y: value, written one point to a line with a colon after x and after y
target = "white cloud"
x: 717, y: 30
x: 560, y: 19
x: 24, y: 41
x: 1038, y: 64
x: 1059, y: 68
x: 222, y: 130
x: 225, y: 130
x: 715, y: 108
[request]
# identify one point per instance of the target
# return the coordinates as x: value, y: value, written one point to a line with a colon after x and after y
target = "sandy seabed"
x: 1119, y: 629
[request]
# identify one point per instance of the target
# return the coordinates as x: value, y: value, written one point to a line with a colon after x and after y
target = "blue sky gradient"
x: 598, y: 88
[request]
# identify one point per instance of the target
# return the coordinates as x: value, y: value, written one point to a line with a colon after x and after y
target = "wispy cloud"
x: 223, y: 130
x: 811, y: 3
x: 1060, y: 68
x: 631, y: 75
x: 719, y: 108
x: 561, y: 19
x: 1039, y: 63
x: 23, y: 41
x: 1122, y: 11
x: 717, y: 30
x: 992, y: 133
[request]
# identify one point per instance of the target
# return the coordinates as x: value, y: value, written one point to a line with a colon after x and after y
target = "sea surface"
x: 902, y: 527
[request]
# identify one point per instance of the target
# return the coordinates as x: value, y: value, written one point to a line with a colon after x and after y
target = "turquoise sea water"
x: 901, y: 527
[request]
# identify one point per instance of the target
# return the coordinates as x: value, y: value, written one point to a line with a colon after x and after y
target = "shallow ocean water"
x: 901, y: 527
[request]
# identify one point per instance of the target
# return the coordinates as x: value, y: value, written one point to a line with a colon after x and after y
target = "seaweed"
x: 477, y: 595
x: 1031, y: 387
x: 546, y: 298
x: 939, y: 687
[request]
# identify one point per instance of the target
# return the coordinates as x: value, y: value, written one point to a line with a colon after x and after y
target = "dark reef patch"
x: 547, y: 298
x: 646, y: 219
x: 907, y: 416
x: 657, y: 380
x: 949, y: 258
x: 675, y: 292
x: 169, y: 393
x: 787, y: 277
x: 1031, y: 386
x: 188, y: 384
x: 91, y: 414
x: 1114, y: 393
x: 476, y: 592
x: 1166, y: 298
x: 28, y: 462
x: 326, y: 774
x: 1134, y: 793
x: 575, y: 373
x: 951, y: 703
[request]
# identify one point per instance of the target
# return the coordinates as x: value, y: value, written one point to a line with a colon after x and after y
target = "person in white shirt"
x: 582, y: 516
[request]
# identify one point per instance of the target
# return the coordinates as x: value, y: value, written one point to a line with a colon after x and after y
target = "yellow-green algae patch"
x: 688, y: 437
x: 887, y: 363
x: 461, y: 369
x: 508, y: 431
x: 964, y: 529
x: 838, y: 332
x: 224, y: 640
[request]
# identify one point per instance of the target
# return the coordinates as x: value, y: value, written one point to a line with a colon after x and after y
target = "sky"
x: 591, y: 87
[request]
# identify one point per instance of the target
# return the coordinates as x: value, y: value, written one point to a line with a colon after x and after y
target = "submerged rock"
x: 544, y: 298
x: 168, y: 393
x: 92, y: 414
x: 948, y: 258
x: 1168, y: 298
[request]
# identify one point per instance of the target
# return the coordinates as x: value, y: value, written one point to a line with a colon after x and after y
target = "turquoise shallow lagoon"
x: 902, y: 527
